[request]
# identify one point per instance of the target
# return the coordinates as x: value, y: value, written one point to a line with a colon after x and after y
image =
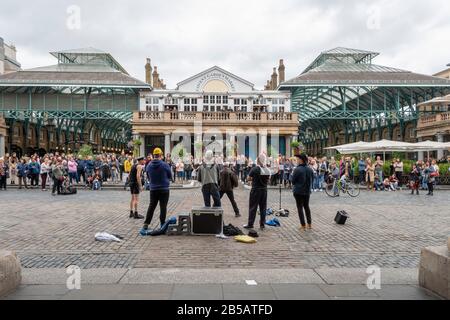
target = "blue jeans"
x: 321, y: 181
x: 211, y: 191
x: 73, y: 176
x: 316, y: 182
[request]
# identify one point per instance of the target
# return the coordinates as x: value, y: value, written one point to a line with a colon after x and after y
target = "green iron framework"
x: 343, y: 92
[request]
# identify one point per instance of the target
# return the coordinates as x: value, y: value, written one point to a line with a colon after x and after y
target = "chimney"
x: 163, y: 86
x: 148, y: 72
x: 274, y: 79
x: 267, y: 87
x: 282, y: 71
x: 270, y: 85
x: 156, y: 78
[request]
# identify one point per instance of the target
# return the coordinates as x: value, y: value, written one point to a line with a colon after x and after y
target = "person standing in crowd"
x: 135, y: 182
x: 323, y: 169
x: 122, y: 159
x: 58, y: 176
x: 89, y: 169
x: 127, y: 165
x: 13, y: 162
x: 169, y: 161
x: 22, y: 173
x: 334, y: 174
x: 362, y: 170
x: 259, y: 177
x: 398, y: 169
x: 432, y: 172
x: 240, y: 162
x: 228, y: 181
x: 34, y: 169
x: 315, y: 169
x: 72, y: 166
x: 159, y: 174
x: 208, y: 176
x: 3, y: 171
x: 81, y: 169
x: 281, y: 163
x: 46, y: 168
x: 414, y: 179
x: 370, y: 175
x: 379, y: 168
x: 187, y: 161
x: 287, y: 171
x: 114, y: 170
x: 179, y: 167
x: 302, y: 180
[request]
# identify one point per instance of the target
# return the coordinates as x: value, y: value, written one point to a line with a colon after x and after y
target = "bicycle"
x: 334, y: 188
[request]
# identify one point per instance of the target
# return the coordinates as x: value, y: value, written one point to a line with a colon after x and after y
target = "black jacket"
x: 302, y: 180
x: 228, y: 180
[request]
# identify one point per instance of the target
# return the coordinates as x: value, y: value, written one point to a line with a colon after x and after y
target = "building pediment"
x: 215, y: 79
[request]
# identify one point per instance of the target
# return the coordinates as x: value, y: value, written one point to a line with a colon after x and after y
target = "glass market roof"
x: 87, y: 56
x: 351, y: 67
x: 76, y: 68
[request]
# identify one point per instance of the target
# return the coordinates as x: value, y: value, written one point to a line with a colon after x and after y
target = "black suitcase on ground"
x: 341, y: 217
x: 206, y: 221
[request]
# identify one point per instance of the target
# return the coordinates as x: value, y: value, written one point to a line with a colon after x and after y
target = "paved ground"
x: 386, y: 229
x: 221, y: 292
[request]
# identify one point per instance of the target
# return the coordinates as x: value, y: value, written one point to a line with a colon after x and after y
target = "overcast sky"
x: 246, y: 37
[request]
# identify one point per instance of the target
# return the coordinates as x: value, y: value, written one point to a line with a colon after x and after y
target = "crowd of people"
x: 94, y: 171
x: 217, y: 175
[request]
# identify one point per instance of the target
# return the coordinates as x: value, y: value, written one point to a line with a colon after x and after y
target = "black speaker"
x: 341, y: 217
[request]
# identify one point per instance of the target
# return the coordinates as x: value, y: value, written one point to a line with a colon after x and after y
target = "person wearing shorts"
x: 135, y: 179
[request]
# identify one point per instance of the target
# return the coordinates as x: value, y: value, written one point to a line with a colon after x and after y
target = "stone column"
x: 262, y: 142
x: 440, y: 153
x: 167, y: 143
x: 420, y: 154
x: 2, y: 146
x: 142, y: 146
x: 288, y: 146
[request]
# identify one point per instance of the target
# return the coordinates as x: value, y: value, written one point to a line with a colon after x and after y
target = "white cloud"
x: 247, y: 37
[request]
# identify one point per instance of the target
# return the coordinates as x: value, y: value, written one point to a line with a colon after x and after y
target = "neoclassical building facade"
x: 219, y: 110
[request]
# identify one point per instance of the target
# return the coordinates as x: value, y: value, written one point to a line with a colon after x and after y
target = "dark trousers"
x: 211, y: 191
x: 80, y: 174
x: 430, y: 187
x: 362, y: 176
x: 161, y: 196
x: 24, y: 180
x: 44, y: 180
x: 258, y: 198
x: 34, y: 180
x: 57, y: 186
x: 281, y: 176
x: 3, y: 182
x: 230, y: 195
x: 73, y: 176
x: 303, y: 203
x: 399, y: 175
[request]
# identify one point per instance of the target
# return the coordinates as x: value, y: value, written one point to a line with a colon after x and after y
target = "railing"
x: 434, y: 119
x: 241, y: 117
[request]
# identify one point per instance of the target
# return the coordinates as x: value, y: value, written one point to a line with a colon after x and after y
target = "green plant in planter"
x: 85, y: 151
x: 295, y: 144
x: 136, y: 147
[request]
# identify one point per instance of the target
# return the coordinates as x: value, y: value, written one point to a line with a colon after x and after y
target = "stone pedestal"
x: 434, y: 272
x: 10, y: 272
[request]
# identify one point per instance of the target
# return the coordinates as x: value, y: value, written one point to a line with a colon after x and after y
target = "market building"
x: 219, y: 110
x: 86, y: 98
x: 434, y: 122
x: 343, y: 97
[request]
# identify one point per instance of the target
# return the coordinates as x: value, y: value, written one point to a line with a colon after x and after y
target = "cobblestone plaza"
x: 385, y: 229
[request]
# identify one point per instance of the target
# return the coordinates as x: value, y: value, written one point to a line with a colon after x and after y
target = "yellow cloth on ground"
x: 245, y: 239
